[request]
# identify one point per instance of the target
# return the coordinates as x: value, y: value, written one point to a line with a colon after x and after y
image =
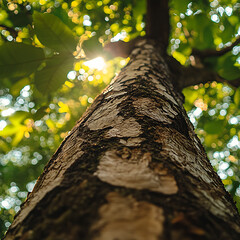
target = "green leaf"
x: 208, y: 37
x: 230, y: 73
x: 227, y: 69
x: 8, y: 131
x: 203, y: 32
x: 53, y: 33
x: 209, y: 139
x: 228, y: 32
x: 92, y: 48
x: 233, y: 20
x: 18, y: 117
x: 180, y: 57
x: 40, y: 113
x: 50, y: 124
x: 214, y: 127
x: 190, y: 95
x: 139, y: 8
x: 19, y: 60
x: 181, y: 5
x: 18, y: 136
x: 236, y: 97
x: 50, y: 78
x: 63, y: 15
x: 4, y: 147
x: 16, y: 87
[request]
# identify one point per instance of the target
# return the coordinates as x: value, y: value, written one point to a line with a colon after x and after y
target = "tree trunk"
x: 131, y: 168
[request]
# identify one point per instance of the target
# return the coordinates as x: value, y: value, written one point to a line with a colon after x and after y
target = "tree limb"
x: 232, y: 83
x: 193, y: 76
x: 215, y: 53
x: 197, y: 73
x: 12, y: 31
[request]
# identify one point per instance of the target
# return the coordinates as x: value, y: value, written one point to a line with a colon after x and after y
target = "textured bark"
x: 131, y: 168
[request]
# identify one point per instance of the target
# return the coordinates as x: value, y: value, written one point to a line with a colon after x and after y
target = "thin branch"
x: 12, y: 31
x: 215, y: 53
x: 232, y: 83
x: 191, y: 76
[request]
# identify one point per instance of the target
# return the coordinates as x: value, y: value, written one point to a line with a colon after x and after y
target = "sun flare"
x: 96, y: 63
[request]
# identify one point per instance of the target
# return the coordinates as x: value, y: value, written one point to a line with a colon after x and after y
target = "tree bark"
x: 131, y: 168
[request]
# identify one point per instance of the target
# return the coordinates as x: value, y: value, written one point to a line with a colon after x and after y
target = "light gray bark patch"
x: 148, y: 46
x: 130, y: 168
x: 124, y: 218
x: 132, y: 142
x: 124, y: 128
x: 141, y: 43
x: 114, y: 94
x: 136, y: 51
x: 104, y: 116
x: 148, y: 107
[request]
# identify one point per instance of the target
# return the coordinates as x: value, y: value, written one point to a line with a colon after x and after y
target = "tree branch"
x: 232, y: 83
x: 215, y: 53
x: 197, y: 73
x: 193, y: 76
x: 157, y: 22
x: 12, y: 31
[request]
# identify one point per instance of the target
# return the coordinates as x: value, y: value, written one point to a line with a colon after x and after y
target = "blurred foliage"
x: 46, y: 83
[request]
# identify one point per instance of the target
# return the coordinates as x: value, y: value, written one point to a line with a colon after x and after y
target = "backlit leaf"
x: 214, y: 127
x: 50, y: 124
x: 237, y: 97
x: 8, y: 131
x: 181, y: 5
x: 40, y: 113
x: 4, y: 146
x: 180, y: 57
x: 19, y: 60
x: 54, y: 74
x: 139, y: 7
x: 227, y: 69
x: 18, y: 117
x: 53, y: 33
x: 92, y: 48
x: 16, y: 87
x: 18, y: 136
